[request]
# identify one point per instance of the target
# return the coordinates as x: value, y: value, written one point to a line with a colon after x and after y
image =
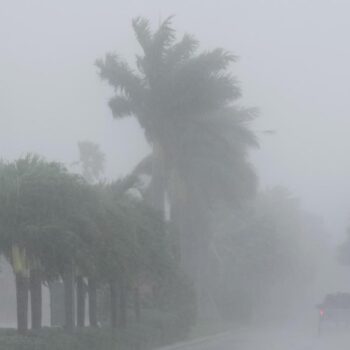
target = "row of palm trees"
x: 57, y: 225
x: 54, y: 225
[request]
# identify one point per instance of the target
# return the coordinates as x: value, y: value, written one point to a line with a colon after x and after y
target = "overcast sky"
x: 294, y: 66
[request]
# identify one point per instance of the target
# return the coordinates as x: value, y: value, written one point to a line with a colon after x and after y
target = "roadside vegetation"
x: 142, y: 262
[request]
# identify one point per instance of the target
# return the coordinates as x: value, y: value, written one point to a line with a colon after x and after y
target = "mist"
x: 292, y: 54
x: 208, y: 189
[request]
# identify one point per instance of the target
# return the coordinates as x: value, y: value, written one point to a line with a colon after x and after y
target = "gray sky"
x: 294, y: 66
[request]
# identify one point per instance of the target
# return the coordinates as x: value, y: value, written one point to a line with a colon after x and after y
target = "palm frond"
x: 245, y: 115
x: 121, y: 106
x: 194, y: 92
x: 182, y: 50
x: 140, y: 64
x: 118, y: 74
x: 213, y: 61
x: 224, y: 88
x: 163, y: 37
x: 231, y: 123
x: 143, y: 33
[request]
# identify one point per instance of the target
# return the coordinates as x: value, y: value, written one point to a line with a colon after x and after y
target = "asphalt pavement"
x: 270, y: 340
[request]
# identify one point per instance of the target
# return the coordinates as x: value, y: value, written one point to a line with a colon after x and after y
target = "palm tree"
x: 115, y: 247
x: 26, y: 204
x: 130, y: 243
x: 45, y: 230
x: 14, y: 253
x: 185, y: 102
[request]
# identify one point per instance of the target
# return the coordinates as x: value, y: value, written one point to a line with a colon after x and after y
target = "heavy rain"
x: 174, y: 175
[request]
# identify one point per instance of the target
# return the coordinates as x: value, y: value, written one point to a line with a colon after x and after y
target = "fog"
x: 292, y: 66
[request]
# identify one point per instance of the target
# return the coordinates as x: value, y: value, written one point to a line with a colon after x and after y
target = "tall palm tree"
x: 185, y: 102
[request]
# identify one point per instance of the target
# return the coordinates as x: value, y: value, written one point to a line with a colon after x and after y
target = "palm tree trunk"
x: 114, y: 306
x: 92, y: 290
x: 22, y: 289
x: 57, y: 311
x: 137, y: 306
x: 190, y: 218
x: 157, y: 186
x: 123, y: 304
x: 68, y: 280
x: 36, y: 298
x: 80, y: 302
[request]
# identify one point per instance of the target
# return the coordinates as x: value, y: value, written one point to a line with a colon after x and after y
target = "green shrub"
x: 57, y: 339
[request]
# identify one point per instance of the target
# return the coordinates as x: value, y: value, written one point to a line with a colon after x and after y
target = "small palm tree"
x: 44, y: 228
x: 25, y: 208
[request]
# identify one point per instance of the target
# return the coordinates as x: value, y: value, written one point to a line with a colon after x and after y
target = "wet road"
x: 271, y: 340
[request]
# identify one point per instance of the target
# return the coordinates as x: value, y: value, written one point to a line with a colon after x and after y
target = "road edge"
x: 180, y: 345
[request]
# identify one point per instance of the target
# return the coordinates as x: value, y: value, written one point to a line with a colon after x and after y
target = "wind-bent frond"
x: 230, y: 124
x: 121, y: 106
x: 194, y: 91
x: 152, y: 64
x: 163, y: 37
x: 245, y: 115
x: 182, y: 50
x: 213, y: 61
x: 140, y: 64
x: 143, y: 33
x: 225, y: 88
x: 118, y: 74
